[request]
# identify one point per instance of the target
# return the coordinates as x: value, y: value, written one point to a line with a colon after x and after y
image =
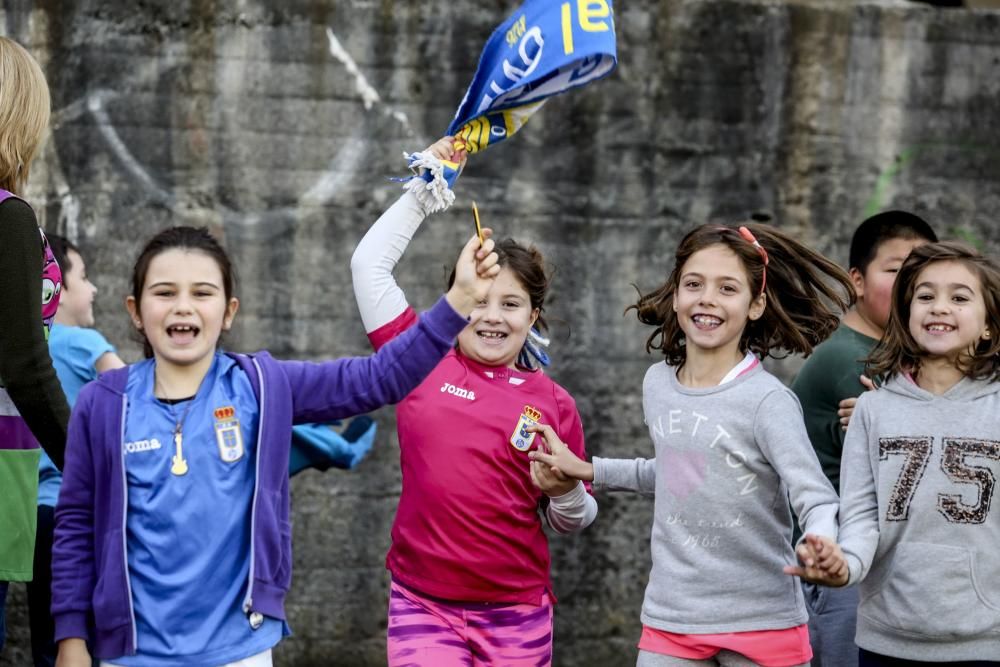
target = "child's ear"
x: 757, y: 307
x: 133, y: 312
x: 858, y: 280
x: 231, y: 308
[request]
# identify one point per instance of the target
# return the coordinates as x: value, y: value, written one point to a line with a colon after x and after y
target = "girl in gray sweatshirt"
x: 731, y: 449
x: 920, y: 528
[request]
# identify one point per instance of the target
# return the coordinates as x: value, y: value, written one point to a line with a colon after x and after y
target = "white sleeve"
x: 859, y: 512
x: 379, y: 298
x: 572, y: 511
x: 638, y: 475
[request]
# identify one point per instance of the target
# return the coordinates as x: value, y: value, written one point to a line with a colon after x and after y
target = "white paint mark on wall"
x: 95, y: 104
x: 339, y: 173
x: 369, y: 96
x: 69, y: 212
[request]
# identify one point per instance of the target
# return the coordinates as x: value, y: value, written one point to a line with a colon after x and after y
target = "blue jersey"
x: 188, y: 535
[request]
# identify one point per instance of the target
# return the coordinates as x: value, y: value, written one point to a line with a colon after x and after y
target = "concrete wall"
x: 277, y: 124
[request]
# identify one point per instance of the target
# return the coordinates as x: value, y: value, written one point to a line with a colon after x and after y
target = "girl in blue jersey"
x: 172, y: 541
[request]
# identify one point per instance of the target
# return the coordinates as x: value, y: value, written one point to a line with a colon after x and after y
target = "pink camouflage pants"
x: 426, y: 632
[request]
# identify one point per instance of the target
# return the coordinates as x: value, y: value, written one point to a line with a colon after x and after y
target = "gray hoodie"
x: 918, y: 476
x: 727, y: 460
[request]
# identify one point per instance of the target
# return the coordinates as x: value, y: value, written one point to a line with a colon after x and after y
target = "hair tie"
x: 748, y: 235
x: 533, y: 352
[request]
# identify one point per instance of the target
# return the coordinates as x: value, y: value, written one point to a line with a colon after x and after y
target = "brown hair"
x: 898, y: 352
x: 184, y: 238
x: 797, y: 316
x: 527, y: 263
x: 24, y: 113
x: 61, y: 247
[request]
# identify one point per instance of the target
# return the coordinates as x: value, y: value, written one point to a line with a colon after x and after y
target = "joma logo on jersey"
x: 448, y: 388
x: 142, y: 445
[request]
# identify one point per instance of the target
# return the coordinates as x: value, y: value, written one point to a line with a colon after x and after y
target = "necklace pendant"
x: 178, y: 465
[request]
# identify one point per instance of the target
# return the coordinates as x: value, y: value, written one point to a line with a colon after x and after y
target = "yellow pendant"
x: 178, y: 465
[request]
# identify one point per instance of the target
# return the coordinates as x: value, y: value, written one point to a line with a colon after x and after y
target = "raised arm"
x: 354, y: 385
x: 380, y: 299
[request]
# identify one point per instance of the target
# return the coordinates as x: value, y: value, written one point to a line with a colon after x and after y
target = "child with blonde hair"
x: 33, y: 410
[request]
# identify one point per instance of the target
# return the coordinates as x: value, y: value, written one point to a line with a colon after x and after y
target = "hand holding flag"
x: 543, y: 49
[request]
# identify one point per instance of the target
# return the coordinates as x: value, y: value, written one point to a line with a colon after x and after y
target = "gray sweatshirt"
x: 727, y: 460
x: 918, y: 476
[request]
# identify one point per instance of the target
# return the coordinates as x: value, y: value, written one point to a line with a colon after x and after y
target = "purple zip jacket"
x: 91, y: 591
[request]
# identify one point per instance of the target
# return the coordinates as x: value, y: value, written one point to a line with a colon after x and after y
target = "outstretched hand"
x: 846, y: 406
x: 551, y: 481
x: 822, y: 562
x: 475, y: 271
x: 558, y: 456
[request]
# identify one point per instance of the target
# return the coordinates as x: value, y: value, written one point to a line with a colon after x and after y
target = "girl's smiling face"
x: 499, y: 325
x: 183, y: 307
x: 947, y: 312
x: 713, y: 300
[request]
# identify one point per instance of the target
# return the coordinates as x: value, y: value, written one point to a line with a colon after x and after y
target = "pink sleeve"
x: 393, y: 328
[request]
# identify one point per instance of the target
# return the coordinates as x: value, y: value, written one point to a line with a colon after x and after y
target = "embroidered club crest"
x: 521, y: 438
x: 228, y: 434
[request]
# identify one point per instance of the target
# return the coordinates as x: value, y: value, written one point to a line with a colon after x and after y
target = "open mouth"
x: 182, y: 333
x: 491, y: 337
x: 706, y: 321
x: 938, y: 328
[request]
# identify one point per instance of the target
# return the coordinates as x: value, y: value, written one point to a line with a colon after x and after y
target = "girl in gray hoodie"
x: 731, y: 449
x: 921, y: 461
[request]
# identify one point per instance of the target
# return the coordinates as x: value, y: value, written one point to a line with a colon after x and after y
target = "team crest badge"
x: 228, y: 434
x: 521, y: 438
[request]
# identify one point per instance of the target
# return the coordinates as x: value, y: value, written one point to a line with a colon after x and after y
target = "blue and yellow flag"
x: 544, y: 48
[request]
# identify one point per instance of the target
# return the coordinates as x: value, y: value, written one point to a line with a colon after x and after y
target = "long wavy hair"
x: 806, y: 293
x: 898, y: 351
